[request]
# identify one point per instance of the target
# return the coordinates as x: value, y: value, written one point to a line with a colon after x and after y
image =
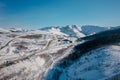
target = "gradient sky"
x: 42, y: 13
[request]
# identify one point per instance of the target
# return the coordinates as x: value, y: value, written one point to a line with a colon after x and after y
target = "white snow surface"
x: 69, y: 30
x: 95, y: 65
x: 28, y: 55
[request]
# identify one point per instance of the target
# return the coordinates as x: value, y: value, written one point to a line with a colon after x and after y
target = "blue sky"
x: 42, y: 13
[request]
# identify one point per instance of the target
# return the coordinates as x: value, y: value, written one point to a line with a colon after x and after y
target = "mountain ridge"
x: 76, y: 30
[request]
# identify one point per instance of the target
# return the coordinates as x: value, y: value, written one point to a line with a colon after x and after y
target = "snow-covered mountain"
x: 89, y: 29
x: 69, y: 30
x: 75, y: 30
x: 27, y: 55
x: 2, y: 30
x: 96, y: 59
x: 53, y: 53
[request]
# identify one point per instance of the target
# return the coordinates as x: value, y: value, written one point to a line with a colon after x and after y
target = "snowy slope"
x: 26, y: 55
x: 95, y: 65
x: 90, y: 29
x: 52, y: 53
x: 98, y: 64
x: 94, y: 59
x: 70, y: 30
x: 2, y: 30
x: 76, y: 30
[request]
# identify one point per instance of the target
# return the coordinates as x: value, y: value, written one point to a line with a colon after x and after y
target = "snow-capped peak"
x: 70, y: 30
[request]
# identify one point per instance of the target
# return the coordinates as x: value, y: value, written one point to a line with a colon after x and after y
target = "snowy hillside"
x: 94, y: 59
x: 76, y: 30
x: 27, y: 55
x: 94, y: 65
x: 70, y: 30
x: 89, y: 29
x: 54, y: 54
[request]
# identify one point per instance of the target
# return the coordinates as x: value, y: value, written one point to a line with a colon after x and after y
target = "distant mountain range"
x: 76, y: 30
x: 68, y: 30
